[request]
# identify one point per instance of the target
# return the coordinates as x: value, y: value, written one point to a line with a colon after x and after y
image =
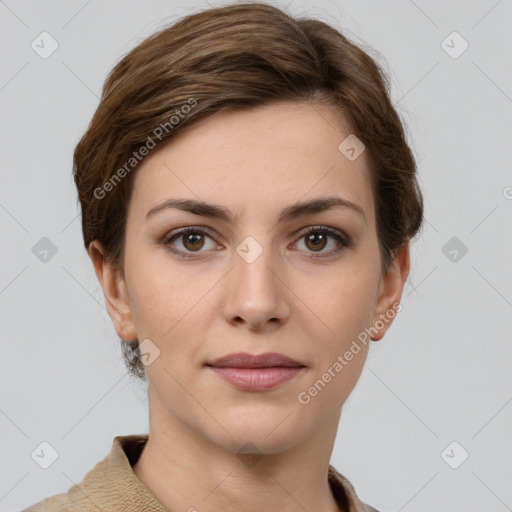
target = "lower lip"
x: 257, y: 379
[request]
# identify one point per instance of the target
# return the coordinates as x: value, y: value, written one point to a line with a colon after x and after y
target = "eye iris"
x: 315, y: 238
x: 193, y: 238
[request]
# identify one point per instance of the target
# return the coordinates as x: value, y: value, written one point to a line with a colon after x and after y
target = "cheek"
x: 330, y: 386
x: 160, y: 296
x: 343, y: 307
x: 173, y: 309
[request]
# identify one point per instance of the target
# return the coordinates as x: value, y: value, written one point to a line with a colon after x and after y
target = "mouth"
x: 244, y: 360
x: 257, y: 379
x: 249, y: 372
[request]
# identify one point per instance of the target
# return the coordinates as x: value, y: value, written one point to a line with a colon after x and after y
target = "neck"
x: 185, y: 471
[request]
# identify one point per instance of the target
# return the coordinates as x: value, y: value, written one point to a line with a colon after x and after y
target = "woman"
x: 248, y: 198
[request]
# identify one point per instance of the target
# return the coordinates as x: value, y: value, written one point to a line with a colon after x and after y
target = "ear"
x: 390, y: 291
x: 115, y: 292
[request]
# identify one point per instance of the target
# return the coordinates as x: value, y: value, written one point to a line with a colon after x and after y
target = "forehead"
x: 256, y: 159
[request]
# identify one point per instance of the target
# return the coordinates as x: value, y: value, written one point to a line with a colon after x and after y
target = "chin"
x: 257, y: 443
x: 259, y: 431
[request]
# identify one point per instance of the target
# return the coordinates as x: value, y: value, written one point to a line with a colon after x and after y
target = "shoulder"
x: 345, y: 493
x: 109, y: 485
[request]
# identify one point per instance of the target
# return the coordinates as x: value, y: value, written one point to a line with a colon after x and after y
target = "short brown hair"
x: 242, y: 55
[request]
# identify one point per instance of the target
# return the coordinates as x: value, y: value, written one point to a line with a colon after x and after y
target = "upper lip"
x: 244, y: 360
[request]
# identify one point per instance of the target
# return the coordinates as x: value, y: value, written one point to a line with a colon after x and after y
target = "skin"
x: 255, y: 162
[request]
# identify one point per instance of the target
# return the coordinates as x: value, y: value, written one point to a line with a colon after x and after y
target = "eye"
x: 316, y: 238
x: 191, y: 239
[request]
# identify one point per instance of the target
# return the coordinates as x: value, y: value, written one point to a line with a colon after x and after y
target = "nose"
x: 256, y: 295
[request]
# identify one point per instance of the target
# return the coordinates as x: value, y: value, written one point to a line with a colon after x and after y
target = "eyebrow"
x: 289, y: 213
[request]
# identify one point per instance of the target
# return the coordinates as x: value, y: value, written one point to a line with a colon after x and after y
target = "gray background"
x: 442, y: 372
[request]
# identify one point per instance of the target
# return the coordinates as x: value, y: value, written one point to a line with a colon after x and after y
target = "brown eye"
x: 192, y: 240
x: 316, y: 241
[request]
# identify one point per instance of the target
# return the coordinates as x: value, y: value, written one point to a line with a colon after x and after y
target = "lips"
x: 263, y: 372
x: 245, y: 360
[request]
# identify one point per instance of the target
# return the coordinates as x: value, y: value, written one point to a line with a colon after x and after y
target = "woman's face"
x: 254, y: 281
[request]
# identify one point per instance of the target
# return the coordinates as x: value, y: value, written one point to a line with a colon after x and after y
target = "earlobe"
x: 114, y: 291
x: 390, y: 292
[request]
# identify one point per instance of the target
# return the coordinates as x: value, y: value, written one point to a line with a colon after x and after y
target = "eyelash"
x: 342, y: 240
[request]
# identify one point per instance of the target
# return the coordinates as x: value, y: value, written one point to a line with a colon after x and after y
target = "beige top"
x: 112, y: 486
